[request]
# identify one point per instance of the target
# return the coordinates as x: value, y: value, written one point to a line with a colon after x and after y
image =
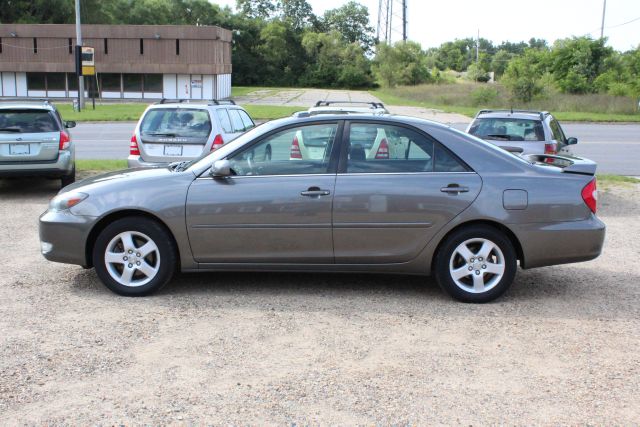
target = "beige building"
x: 132, y: 61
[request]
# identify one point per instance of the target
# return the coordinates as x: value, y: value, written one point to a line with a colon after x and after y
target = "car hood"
x: 120, y: 179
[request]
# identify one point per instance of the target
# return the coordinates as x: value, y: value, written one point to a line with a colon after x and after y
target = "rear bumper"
x: 137, y: 162
x: 63, y: 237
x: 55, y: 168
x: 560, y: 243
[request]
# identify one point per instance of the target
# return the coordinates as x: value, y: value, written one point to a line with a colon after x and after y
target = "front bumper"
x: 560, y: 243
x: 56, y: 168
x: 63, y: 237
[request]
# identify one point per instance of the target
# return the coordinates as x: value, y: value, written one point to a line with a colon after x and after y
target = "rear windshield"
x: 185, y: 122
x: 507, y: 129
x: 27, y: 121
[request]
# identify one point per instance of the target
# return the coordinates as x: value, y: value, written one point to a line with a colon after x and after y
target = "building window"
x: 36, y: 81
x: 152, y: 83
x: 55, y: 81
x: 70, y: 45
x: 132, y: 82
x: 35, y: 45
x: 110, y: 82
x: 72, y: 81
x: 141, y: 46
x: 106, y: 46
x: 177, y: 47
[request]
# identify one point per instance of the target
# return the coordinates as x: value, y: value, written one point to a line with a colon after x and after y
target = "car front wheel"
x: 134, y: 256
x: 476, y: 264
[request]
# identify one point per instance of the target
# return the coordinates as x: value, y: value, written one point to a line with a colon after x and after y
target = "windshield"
x: 27, y: 121
x: 490, y: 146
x: 508, y: 129
x: 183, y: 122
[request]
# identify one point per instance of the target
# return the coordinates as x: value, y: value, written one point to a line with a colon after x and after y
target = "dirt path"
x: 560, y: 348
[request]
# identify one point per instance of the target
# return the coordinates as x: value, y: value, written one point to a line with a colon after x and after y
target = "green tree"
x: 36, y: 11
x: 404, y: 63
x: 523, y: 75
x: 577, y: 62
x: 352, y: 22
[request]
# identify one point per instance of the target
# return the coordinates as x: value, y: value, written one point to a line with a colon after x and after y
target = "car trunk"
x: 169, y: 148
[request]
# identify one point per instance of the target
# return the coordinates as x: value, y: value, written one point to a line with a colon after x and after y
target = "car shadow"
x: 19, y: 188
x: 554, y: 292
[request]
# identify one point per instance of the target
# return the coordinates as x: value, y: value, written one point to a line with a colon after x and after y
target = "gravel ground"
x: 561, y: 347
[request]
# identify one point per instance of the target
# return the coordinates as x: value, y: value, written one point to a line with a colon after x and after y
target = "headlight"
x: 66, y: 200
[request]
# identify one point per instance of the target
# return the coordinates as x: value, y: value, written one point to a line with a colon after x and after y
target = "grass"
x: 607, y: 180
x: 100, y: 165
x: 467, y: 98
x: 132, y: 112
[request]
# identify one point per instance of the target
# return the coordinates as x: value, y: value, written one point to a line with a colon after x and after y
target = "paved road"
x: 616, y: 147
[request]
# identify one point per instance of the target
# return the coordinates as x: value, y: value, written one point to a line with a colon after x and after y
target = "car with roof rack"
x: 522, y: 131
x: 344, y: 107
x: 183, y: 129
x: 34, y: 141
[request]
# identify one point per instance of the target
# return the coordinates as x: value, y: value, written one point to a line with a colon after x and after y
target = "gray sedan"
x: 430, y: 200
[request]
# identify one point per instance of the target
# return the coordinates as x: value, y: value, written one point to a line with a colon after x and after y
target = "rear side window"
x: 236, y: 121
x: 248, y: 123
x: 225, y: 122
x: 176, y: 122
x: 508, y: 129
x: 27, y: 121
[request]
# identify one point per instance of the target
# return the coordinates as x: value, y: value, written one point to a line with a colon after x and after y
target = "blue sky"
x: 434, y: 22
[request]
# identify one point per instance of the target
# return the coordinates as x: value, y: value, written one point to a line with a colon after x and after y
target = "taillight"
x: 217, y: 142
x: 65, y: 140
x: 590, y: 195
x: 133, y: 146
x: 549, y: 149
x: 383, y: 150
x: 295, y: 149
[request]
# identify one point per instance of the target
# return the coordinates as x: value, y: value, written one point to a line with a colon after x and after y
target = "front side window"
x: 236, y: 121
x: 507, y: 129
x: 248, y: 123
x: 176, y: 122
x: 225, y: 122
x: 294, y: 151
x: 558, y: 135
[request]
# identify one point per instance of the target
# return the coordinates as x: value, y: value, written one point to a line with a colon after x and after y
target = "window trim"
x: 344, y: 151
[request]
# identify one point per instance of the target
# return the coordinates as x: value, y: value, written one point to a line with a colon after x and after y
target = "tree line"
x: 283, y: 43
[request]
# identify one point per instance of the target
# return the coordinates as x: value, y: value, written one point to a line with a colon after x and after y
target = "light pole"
x: 79, y: 57
x: 604, y: 9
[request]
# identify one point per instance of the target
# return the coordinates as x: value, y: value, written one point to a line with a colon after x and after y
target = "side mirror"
x: 220, y: 168
x: 69, y: 124
x: 572, y: 141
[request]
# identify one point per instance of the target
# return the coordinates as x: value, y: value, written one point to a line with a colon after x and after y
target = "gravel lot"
x: 560, y: 348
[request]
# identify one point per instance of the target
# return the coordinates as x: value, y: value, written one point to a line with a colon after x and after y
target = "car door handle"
x: 454, y: 188
x: 315, y: 192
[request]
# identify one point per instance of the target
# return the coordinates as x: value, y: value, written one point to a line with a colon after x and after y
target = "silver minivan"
x: 34, y: 141
x: 171, y: 131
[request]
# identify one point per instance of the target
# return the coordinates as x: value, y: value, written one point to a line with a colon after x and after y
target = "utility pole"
x: 604, y: 9
x: 404, y: 20
x: 79, y: 57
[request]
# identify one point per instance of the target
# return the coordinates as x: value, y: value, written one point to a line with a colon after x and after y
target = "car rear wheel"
x: 68, y: 179
x: 134, y: 256
x: 476, y: 264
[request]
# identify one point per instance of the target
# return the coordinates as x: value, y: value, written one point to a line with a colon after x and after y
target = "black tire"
x: 68, y: 179
x: 164, y: 257
x: 473, y: 235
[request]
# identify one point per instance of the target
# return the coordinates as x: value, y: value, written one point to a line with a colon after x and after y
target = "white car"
x: 171, y: 131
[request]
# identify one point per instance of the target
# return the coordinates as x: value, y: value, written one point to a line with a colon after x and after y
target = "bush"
x: 484, y: 96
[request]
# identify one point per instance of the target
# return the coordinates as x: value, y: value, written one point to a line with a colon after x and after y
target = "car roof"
x: 512, y: 114
x: 195, y: 103
x: 34, y: 104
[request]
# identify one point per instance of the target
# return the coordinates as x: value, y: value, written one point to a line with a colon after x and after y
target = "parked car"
x: 533, y: 132
x: 179, y: 130
x: 451, y: 205
x: 34, y: 141
x: 343, y: 107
